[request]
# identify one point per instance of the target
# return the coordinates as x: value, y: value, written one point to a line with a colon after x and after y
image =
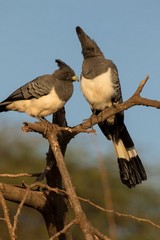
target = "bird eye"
x: 69, y: 76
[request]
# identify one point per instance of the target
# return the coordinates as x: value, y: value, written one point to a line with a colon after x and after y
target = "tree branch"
x: 119, y: 214
x: 80, y: 215
x: 63, y: 230
x: 34, y: 199
x: 27, y: 190
x: 136, y: 99
x: 55, y: 213
x: 51, y: 134
x: 17, y: 175
x: 6, y: 217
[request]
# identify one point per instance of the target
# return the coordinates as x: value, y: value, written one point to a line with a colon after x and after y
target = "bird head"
x: 89, y: 46
x: 66, y: 71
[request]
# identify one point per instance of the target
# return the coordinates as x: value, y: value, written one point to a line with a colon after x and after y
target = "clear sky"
x: 34, y: 33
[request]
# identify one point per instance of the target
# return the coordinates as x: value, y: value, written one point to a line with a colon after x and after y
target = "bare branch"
x: 34, y: 199
x: 136, y: 99
x: 17, y: 175
x: 45, y: 186
x: 63, y: 230
x: 98, y: 235
x: 71, y: 130
x: 141, y: 85
x: 145, y: 220
x: 19, y: 209
x: 40, y: 127
x: 6, y: 217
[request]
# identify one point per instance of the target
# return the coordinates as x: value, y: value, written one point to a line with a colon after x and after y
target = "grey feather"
x: 34, y: 89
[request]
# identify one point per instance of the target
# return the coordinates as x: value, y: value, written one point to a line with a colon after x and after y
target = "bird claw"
x: 41, y: 177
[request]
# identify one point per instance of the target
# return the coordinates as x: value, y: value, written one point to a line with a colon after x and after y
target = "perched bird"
x: 44, y: 95
x: 100, y: 86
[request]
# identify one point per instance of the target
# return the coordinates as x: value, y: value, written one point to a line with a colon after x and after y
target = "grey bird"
x: 100, y: 86
x: 44, y: 95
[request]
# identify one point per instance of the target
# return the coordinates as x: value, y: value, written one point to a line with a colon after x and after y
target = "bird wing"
x: 34, y: 89
x: 115, y: 78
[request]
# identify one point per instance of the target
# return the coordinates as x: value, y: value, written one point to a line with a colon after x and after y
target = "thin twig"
x: 6, y: 217
x: 17, y: 175
x: 45, y: 186
x: 19, y: 210
x: 145, y: 220
x: 97, y: 233
x: 60, y: 191
x: 141, y: 86
x: 63, y: 230
x: 71, y: 130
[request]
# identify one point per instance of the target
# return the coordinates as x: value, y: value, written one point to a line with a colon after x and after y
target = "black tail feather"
x: 131, y: 168
x: 132, y: 172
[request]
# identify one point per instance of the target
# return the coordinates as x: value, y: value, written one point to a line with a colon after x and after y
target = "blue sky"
x: 35, y: 33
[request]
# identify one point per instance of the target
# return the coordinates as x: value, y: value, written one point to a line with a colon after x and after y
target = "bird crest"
x: 89, y: 46
x: 61, y: 64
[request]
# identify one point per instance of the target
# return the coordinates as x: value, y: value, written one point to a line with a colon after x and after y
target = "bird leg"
x: 42, y: 119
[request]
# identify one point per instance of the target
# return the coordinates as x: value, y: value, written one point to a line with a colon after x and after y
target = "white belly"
x: 42, y: 106
x: 98, y: 91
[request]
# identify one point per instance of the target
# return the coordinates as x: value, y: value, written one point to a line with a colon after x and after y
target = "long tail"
x: 131, y: 169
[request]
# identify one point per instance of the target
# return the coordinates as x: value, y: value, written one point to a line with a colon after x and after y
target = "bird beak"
x: 75, y: 78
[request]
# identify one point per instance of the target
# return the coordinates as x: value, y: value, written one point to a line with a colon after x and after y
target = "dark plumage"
x: 44, y: 95
x: 101, y: 87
